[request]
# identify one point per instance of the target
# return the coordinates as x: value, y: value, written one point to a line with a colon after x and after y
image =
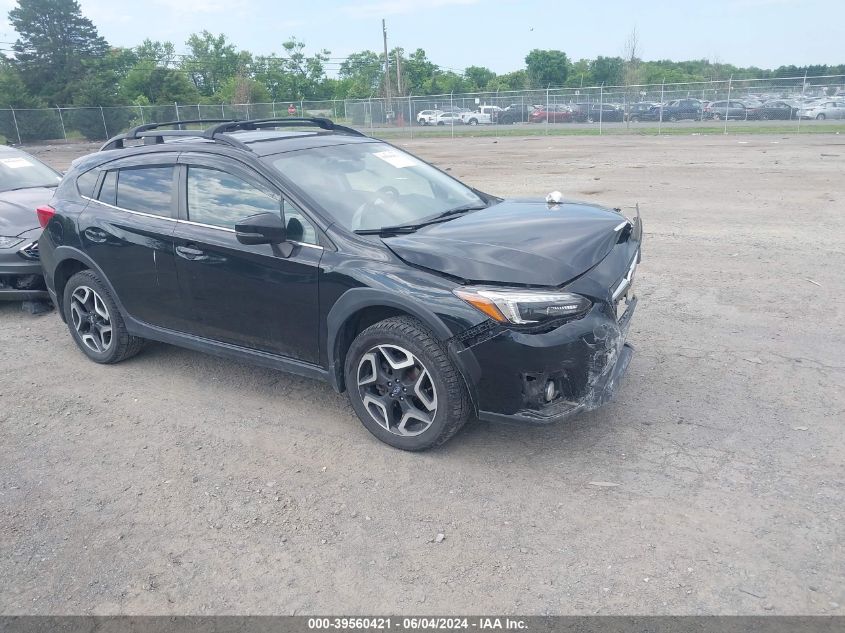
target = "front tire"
x: 473, y: 121
x: 95, y: 322
x: 403, y: 386
x: 821, y: 117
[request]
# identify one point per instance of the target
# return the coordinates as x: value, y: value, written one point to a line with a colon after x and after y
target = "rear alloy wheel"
x: 473, y: 121
x: 820, y: 117
x: 95, y: 322
x: 403, y: 386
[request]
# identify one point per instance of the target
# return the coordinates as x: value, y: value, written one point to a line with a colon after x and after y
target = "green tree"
x: 479, y: 77
x: 56, y: 47
x: 305, y: 72
x: 547, y: 67
x: 364, y: 72
x: 608, y: 71
x: 243, y: 89
x: 153, y: 78
x: 212, y: 61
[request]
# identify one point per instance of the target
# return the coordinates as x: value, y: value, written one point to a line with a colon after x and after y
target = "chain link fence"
x: 742, y: 105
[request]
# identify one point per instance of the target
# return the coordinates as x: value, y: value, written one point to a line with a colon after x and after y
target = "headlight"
x: 9, y: 242
x: 523, y: 307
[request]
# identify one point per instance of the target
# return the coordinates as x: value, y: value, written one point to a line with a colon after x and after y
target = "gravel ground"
x: 181, y: 483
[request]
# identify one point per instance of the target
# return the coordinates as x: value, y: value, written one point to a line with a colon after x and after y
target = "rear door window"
x: 146, y: 189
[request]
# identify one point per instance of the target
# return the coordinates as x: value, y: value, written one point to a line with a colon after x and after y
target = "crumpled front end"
x: 546, y: 377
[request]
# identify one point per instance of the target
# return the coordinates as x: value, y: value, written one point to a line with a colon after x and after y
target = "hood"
x: 525, y: 242
x: 17, y: 209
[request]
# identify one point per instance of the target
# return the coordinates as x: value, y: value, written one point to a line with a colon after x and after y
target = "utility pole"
x: 386, y: 70
x: 398, y: 74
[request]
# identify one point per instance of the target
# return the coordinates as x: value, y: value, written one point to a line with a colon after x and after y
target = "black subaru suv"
x: 305, y: 246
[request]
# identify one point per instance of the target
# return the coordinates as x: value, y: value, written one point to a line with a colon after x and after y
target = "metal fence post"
x: 176, y: 107
x: 141, y: 110
x: 547, y: 108
x: 728, y: 104
x: 62, y: 120
x: 803, y: 103
x: 17, y: 129
x: 601, y: 105
x: 301, y: 107
x: 660, y: 120
x: 105, y: 127
x: 452, y: 108
x: 274, y: 109
x: 410, y: 116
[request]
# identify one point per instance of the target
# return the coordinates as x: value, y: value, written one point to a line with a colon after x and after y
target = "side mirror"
x: 262, y: 228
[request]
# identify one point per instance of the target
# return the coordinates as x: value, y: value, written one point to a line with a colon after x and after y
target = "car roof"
x: 256, y: 140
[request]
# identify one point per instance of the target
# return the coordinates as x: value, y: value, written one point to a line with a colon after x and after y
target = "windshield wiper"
x: 388, y: 230
x: 444, y: 216
x: 464, y: 208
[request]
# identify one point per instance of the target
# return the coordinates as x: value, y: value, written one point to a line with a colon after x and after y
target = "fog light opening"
x: 550, y: 391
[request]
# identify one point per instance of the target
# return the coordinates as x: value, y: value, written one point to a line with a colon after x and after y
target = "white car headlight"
x: 523, y: 307
x: 9, y: 242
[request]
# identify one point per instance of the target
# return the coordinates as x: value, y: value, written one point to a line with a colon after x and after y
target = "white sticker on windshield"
x: 397, y: 159
x: 16, y: 163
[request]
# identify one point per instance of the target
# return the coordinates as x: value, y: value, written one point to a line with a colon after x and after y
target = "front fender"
x: 357, y: 299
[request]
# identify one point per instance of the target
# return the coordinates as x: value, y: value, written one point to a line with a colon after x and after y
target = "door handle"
x: 189, y: 252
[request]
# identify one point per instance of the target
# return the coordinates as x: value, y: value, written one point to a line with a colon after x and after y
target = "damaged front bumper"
x: 21, y: 277
x: 584, y: 360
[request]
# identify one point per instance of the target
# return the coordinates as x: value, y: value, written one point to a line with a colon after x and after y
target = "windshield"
x: 367, y: 186
x: 22, y: 171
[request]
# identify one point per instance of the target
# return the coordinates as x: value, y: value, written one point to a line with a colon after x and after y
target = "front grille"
x: 30, y: 251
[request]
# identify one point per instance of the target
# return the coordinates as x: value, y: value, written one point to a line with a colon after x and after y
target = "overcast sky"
x: 492, y: 33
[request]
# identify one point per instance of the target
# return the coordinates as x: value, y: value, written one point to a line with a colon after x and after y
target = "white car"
x: 427, y: 117
x: 448, y: 118
x: 824, y: 109
x: 485, y: 115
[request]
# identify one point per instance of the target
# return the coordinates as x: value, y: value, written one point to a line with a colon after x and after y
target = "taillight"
x: 45, y: 214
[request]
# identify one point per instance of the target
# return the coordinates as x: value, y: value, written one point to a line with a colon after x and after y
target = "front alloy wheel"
x: 397, y: 390
x: 91, y: 319
x: 403, y: 386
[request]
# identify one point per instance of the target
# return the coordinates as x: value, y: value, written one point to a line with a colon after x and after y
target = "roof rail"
x: 153, y: 135
x: 116, y: 142
x: 256, y: 124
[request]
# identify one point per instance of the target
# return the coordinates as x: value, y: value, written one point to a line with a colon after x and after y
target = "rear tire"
x: 473, y: 121
x: 95, y: 322
x: 821, y: 117
x: 403, y: 386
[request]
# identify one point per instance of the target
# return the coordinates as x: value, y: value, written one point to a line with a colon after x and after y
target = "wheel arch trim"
x: 354, y: 301
x: 65, y: 253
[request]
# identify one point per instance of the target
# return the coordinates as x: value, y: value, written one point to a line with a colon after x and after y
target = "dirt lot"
x: 181, y: 483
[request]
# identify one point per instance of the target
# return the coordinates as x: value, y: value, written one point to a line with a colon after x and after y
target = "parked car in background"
x: 448, y: 118
x: 779, y: 109
x: 427, y: 301
x: 594, y: 112
x: 427, y: 117
x: 824, y: 109
x: 514, y: 113
x: 732, y: 110
x: 483, y: 116
x: 557, y: 113
x: 25, y: 184
x: 640, y: 111
x: 680, y: 109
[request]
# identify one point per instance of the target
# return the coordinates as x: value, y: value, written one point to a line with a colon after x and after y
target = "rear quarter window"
x: 86, y: 182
